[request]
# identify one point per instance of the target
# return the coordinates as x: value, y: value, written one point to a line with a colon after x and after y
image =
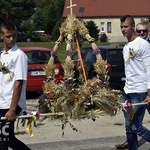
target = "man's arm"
x: 11, y: 114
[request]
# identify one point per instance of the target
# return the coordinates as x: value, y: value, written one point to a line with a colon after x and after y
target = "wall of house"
x: 113, y: 33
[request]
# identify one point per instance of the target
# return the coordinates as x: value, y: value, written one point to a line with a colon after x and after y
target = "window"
x: 38, y: 57
x: 81, y: 10
x: 102, y: 27
x: 114, y: 54
x: 108, y: 27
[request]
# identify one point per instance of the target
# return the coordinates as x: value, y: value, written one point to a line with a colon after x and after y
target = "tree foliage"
x: 52, y: 12
x: 16, y: 10
x: 48, y: 16
x: 56, y: 32
x: 43, y: 3
x: 93, y: 29
x: 33, y: 15
x: 38, y: 20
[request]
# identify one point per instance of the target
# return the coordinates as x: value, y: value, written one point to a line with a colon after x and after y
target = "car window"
x: 114, y: 54
x: 75, y: 56
x: 90, y: 57
x: 37, y: 57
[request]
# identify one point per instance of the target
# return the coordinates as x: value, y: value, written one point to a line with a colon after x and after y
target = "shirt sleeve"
x: 146, y: 60
x: 21, y: 67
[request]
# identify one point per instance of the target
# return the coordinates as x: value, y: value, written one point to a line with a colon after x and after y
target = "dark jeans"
x: 7, y: 135
x: 134, y: 125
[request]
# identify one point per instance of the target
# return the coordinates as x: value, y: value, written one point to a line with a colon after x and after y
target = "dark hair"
x: 9, y: 25
x: 122, y: 19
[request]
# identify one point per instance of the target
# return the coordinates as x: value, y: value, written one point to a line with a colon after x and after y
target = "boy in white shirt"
x: 13, y: 76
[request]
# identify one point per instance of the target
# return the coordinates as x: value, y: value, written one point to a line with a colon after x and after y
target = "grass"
x: 62, y: 47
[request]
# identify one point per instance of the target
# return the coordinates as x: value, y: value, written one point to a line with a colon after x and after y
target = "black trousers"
x: 7, y: 135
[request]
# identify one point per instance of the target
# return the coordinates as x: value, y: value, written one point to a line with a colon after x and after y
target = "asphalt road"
x: 93, y: 136
x: 101, y: 134
x: 88, y: 144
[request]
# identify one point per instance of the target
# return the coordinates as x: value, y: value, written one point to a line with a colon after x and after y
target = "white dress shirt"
x: 16, y: 61
x: 137, y: 68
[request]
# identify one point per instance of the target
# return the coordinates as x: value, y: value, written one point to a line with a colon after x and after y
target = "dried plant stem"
x: 80, y: 59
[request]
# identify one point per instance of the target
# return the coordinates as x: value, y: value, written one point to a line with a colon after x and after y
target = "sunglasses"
x: 139, y: 31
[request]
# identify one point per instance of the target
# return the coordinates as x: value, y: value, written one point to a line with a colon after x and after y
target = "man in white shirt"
x: 13, y: 76
x: 136, y: 55
x: 143, y: 32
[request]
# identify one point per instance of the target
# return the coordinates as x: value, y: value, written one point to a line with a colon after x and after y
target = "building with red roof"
x: 106, y: 14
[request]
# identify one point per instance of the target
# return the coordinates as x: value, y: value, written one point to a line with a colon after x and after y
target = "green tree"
x: 16, y: 10
x: 43, y: 3
x: 93, y: 29
x: 52, y: 12
x: 27, y: 26
x: 56, y: 32
x: 103, y: 37
x: 49, y: 13
x: 38, y: 20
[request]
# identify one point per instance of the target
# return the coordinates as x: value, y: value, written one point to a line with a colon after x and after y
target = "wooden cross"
x: 71, y: 6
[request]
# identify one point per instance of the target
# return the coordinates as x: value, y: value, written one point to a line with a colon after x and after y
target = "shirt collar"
x: 14, y: 48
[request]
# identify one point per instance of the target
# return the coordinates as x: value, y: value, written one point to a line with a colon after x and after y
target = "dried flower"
x: 54, y: 53
x: 131, y: 54
x: 68, y: 52
x: 3, y: 68
x: 9, y: 78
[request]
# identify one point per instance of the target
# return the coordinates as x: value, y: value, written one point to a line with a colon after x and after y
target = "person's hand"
x: 125, y: 105
x: 10, y: 115
x: 123, y: 108
x: 147, y: 99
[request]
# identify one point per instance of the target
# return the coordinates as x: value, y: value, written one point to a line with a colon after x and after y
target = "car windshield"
x: 114, y: 55
x: 37, y: 57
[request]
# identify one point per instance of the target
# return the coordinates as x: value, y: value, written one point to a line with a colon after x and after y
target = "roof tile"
x: 109, y: 8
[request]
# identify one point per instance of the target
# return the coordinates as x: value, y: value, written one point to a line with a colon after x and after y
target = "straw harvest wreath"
x: 91, y: 97
x: 74, y: 99
x: 68, y: 99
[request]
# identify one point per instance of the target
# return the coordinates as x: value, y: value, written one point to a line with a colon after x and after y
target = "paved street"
x: 102, y: 134
x: 89, y: 144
